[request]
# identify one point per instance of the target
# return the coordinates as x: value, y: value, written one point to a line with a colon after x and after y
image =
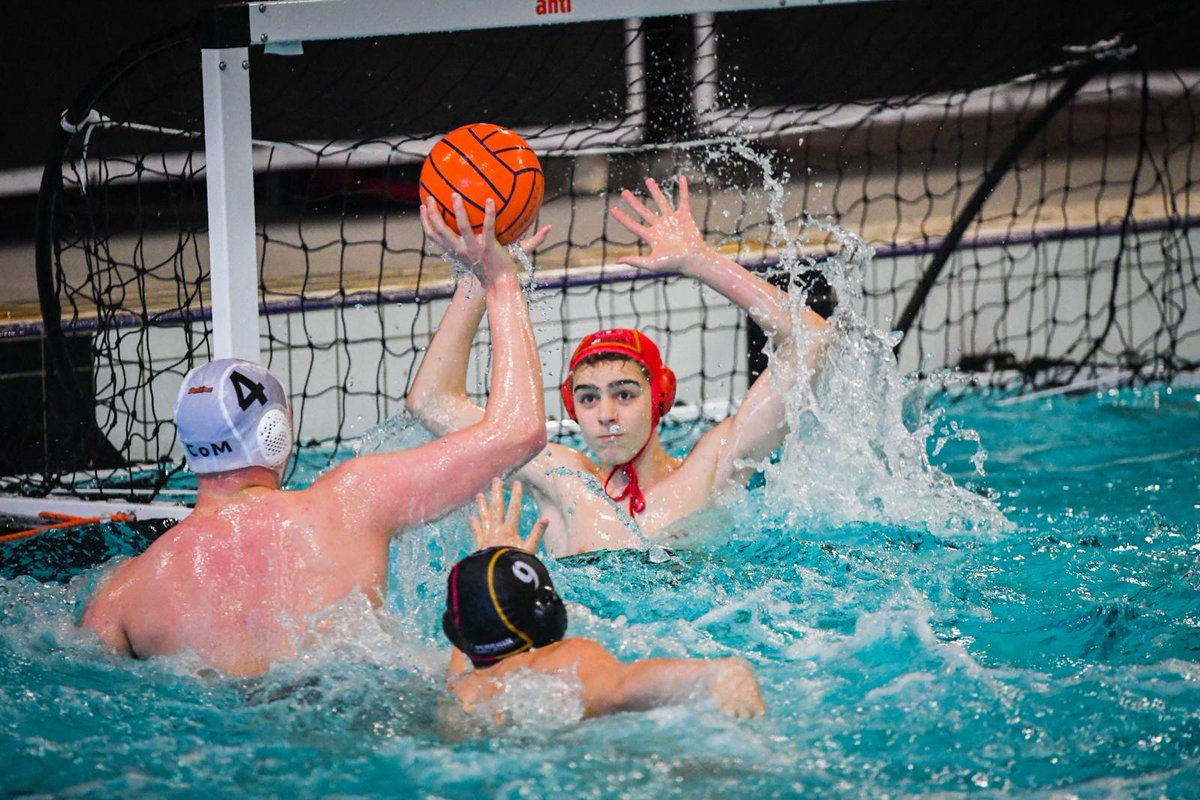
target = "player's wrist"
x: 500, y: 278
x: 701, y: 263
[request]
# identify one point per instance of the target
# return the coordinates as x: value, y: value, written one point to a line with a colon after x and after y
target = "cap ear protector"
x: 568, y: 395
x: 631, y: 344
x: 550, y: 617
x: 274, y: 437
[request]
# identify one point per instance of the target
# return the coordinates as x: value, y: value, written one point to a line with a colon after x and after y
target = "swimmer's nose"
x: 607, y: 409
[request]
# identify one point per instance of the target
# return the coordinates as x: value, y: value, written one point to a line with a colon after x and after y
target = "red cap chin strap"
x: 632, y: 490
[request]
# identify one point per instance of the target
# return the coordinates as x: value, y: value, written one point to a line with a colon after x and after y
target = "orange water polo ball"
x: 484, y: 161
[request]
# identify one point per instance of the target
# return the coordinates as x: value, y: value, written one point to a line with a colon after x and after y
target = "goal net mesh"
x: 1027, y: 176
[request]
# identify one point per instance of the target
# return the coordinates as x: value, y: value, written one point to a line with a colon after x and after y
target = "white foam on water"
x: 536, y: 701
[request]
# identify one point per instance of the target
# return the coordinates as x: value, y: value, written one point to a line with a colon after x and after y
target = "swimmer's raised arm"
x: 395, y: 490
x: 677, y: 245
x: 438, y: 396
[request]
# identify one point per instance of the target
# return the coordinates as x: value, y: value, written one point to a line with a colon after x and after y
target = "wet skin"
x: 245, y: 580
x: 567, y: 483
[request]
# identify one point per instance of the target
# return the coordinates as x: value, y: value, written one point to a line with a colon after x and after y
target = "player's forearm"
x: 515, y: 403
x: 658, y: 682
x: 766, y: 304
x: 652, y: 683
x: 438, y: 396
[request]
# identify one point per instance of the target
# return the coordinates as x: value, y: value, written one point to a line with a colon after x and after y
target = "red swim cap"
x: 634, y: 345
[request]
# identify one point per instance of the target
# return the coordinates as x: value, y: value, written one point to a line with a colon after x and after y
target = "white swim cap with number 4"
x: 233, y: 414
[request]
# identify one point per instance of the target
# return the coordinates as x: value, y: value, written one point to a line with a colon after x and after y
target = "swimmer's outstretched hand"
x: 479, y: 252
x: 495, y: 527
x: 676, y: 243
x: 736, y: 690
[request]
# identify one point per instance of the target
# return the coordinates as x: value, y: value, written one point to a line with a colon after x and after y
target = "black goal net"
x: 1024, y: 172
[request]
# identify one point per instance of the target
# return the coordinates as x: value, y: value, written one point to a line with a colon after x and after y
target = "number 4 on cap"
x: 247, y: 390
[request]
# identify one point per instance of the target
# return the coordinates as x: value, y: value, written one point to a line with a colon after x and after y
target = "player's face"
x: 613, y: 405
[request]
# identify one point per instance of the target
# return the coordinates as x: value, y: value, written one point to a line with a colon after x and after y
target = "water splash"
x: 860, y: 434
x: 536, y: 701
x: 398, y: 432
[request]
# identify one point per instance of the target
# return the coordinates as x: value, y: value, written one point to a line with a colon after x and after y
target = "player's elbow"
x: 519, y: 429
x: 440, y: 413
x: 527, y: 425
x: 418, y: 402
x: 514, y: 439
x: 533, y: 437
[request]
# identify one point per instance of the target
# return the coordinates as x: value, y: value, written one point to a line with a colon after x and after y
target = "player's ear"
x: 550, y: 617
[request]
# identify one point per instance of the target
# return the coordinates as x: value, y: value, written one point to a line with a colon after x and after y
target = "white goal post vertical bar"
x: 232, y: 248
x: 704, y: 70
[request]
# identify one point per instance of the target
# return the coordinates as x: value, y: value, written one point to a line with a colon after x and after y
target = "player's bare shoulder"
x: 557, y: 470
x: 571, y: 656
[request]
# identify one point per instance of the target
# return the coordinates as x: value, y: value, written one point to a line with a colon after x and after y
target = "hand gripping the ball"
x: 479, y: 252
x: 472, y: 249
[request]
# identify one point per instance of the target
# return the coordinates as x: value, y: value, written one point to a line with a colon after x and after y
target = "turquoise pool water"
x: 1058, y: 656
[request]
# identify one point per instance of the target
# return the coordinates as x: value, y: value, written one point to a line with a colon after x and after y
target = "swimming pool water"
x: 1057, y: 658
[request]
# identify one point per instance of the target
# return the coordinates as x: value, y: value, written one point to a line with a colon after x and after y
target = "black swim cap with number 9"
x: 500, y: 602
